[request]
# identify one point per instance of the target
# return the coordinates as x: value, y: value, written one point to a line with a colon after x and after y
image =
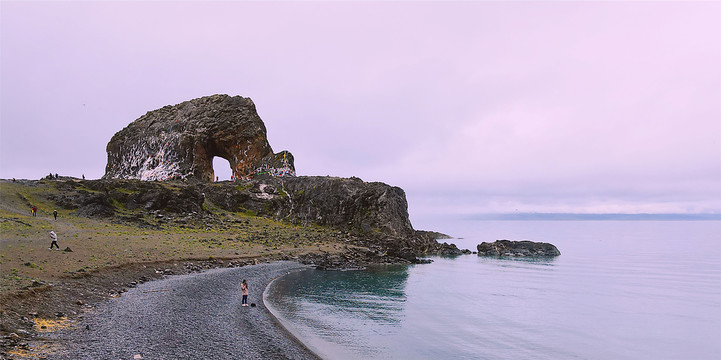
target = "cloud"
x: 532, y: 105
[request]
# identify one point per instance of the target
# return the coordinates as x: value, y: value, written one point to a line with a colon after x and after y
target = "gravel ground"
x: 195, y: 316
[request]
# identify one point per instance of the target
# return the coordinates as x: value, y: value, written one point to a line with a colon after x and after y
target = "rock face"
x: 180, y: 141
x: 446, y: 249
x: 517, y: 248
x: 374, y: 215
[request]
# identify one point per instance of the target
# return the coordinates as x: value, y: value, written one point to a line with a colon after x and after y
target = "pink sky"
x: 471, y: 107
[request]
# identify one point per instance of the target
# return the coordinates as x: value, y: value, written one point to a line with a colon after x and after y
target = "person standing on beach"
x: 55, y: 214
x: 244, y: 288
x: 54, y: 238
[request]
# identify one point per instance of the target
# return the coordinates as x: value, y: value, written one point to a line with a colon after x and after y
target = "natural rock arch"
x: 180, y: 141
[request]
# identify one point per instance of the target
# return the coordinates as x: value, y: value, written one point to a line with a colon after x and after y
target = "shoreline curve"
x: 188, y: 316
x: 281, y: 322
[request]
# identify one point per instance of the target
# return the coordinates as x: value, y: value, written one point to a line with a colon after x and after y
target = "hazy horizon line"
x: 594, y: 216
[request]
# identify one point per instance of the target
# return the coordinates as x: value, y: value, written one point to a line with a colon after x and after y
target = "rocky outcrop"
x: 374, y: 215
x: 101, y: 198
x: 517, y: 248
x: 348, y: 204
x: 180, y: 142
x: 351, y: 259
x: 433, y: 235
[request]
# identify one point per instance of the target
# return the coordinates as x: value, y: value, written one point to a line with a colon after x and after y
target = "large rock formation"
x: 517, y: 248
x: 180, y: 141
x: 374, y: 215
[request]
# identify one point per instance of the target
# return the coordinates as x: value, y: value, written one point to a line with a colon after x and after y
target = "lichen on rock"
x: 180, y: 142
x: 523, y: 248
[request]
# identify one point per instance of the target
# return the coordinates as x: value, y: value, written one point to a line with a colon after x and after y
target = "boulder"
x: 517, y: 248
x: 446, y: 249
x: 180, y: 142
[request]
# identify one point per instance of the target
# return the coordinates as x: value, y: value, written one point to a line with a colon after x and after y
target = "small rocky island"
x: 517, y: 249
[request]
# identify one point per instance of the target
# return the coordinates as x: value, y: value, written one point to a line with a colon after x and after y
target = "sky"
x: 471, y: 107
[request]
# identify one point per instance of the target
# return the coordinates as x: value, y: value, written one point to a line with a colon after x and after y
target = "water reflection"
x: 520, y: 262
x: 338, y: 305
x: 376, y: 293
x: 611, y: 295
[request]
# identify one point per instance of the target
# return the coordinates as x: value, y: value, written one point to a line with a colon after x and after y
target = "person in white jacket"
x: 54, y: 238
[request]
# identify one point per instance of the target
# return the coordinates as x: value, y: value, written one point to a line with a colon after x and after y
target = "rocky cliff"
x: 180, y: 141
x: 373, y: 215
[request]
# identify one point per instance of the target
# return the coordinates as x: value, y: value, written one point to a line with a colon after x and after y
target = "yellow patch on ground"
x: 20, y: 353
x: 49, y: 325
x: 40, y: 351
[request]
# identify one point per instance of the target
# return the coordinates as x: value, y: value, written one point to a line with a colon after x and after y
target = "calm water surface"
x: 620, y: 290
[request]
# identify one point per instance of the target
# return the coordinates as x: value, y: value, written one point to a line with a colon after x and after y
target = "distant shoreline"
x: 595, y: 217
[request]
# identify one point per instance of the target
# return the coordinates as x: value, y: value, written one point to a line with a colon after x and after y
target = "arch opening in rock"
x: 222, y: 169
x: 181, y: 142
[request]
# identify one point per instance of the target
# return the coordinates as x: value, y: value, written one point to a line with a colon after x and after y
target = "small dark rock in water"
x: 446, y: 249
x: 517, y: 248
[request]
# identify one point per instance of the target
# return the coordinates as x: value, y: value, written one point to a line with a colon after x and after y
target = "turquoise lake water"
x: 620, y: 290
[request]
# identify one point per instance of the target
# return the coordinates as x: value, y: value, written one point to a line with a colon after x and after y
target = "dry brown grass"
x: 107, y: 253
x: 24, y: 240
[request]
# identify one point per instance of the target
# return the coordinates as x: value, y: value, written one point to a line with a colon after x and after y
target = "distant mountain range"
x: 571, y: 216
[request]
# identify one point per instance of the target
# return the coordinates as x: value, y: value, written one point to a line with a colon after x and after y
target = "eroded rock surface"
x: 180, y: 142
x: 517, y: 248
x: 369, y: 214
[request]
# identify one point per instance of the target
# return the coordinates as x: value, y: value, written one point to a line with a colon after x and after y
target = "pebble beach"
x: 196, y: 316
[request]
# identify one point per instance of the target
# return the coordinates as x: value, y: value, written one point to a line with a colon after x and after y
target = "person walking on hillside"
x: 244, y: 288
x: 35, y: 210
x: 54, y: 238
x: 55, y: 214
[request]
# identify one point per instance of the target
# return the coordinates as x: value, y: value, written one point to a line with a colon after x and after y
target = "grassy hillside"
x: 154, y: 236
